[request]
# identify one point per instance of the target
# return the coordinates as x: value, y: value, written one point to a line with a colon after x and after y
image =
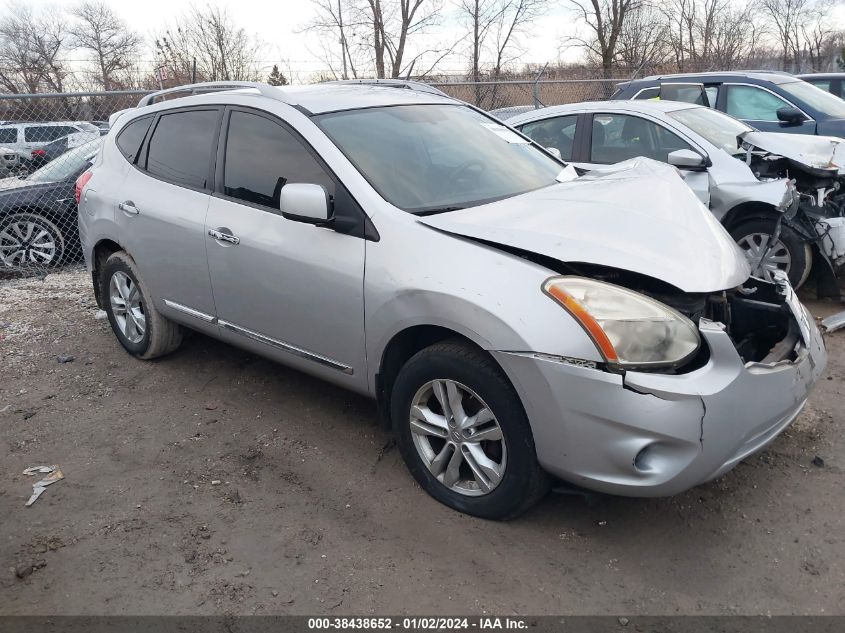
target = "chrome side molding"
x: 202, y: 316
x: 291, y: 349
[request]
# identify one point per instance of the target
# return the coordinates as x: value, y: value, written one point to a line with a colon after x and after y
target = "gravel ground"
x: 215, y: 482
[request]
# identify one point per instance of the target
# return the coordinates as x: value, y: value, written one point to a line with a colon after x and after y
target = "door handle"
x: 223, y: 237
x: 129, y: 207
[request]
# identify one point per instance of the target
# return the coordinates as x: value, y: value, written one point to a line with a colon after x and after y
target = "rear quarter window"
x: 130, y: 137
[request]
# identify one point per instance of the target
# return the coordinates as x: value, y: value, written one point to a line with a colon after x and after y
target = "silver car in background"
x: 513, y: 321
x: 781, y: 196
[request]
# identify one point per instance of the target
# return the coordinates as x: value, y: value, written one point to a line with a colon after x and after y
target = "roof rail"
x: 395, y: 83
x: 266, y: 90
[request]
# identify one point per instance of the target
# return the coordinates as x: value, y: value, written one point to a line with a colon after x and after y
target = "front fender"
x: 492, y: 298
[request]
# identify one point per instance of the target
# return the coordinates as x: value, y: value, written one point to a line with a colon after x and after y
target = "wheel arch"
x: 401, y: 347
x: 102, y: 250
x: 749, y: 211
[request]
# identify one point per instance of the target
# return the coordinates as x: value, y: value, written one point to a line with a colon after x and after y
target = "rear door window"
x: 46, y: 133
x: 181, y: 147
x: 557, y: 132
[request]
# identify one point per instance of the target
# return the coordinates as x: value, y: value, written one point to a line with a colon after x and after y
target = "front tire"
x: 134, y: 319
x: 463, y: 432
x: 790, y: 254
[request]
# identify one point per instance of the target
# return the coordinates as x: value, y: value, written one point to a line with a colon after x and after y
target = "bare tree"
x: 494, y: 29
x: 339, y: 23
x: 33, y: 45
x: 393, y: 24
x: 785, y: 17
x: 643, y: 40
x: 605, y: 20
x: 111, y: 44
x: 209, y: 37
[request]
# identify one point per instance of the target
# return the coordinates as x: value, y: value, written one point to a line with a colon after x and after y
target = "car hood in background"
x: 637, y: 215
x: 816, y: 152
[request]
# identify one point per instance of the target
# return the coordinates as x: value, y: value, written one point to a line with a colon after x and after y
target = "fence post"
x: 535, y: 88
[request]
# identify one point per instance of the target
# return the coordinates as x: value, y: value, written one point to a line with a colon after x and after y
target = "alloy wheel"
x: 127, y: 307
x: 458, y: 437
x: 764, y: 264
x: 27, y: 242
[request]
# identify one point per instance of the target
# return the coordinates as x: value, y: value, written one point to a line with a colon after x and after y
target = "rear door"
x: 162, y: 206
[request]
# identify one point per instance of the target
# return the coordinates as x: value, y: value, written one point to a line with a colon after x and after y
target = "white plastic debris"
x: 834, y: 322
x: 53, y: 473
x: 100, y: 315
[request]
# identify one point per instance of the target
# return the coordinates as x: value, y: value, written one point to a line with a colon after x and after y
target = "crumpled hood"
x: 637, y: 215
x: 816, y: 152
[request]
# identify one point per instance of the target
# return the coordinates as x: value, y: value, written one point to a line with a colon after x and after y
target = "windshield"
x: 67, y: 165
x: 429, y: 158
x: 817, y: 98
x: 719, y: 129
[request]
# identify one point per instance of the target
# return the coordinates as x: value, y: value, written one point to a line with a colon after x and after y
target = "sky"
x: 279, y: 24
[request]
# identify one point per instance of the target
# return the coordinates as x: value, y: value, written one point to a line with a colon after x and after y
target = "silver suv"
x: 514, y: 321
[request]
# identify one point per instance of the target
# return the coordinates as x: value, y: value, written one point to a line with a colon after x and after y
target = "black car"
x: 768, y: 101
x: 38, y: 225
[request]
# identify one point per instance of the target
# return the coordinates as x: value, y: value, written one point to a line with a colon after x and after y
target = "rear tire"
x: 134, y: 319
x: 495, y: 478
x: 753, y: 234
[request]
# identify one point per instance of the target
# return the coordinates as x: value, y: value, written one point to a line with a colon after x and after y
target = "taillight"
x: 83, y: 179
x: 39, y: 152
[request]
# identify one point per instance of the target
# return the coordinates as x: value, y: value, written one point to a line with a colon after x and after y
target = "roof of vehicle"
x: 641, y: 107
x: 316, y: 98
x: 809, y: 76
x: 772, y: 76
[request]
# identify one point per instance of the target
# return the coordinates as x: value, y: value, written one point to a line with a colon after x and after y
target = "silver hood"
x: 638, y: 215
x: 817, y: 152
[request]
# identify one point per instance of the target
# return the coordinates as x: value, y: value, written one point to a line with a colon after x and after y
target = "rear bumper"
x: 654, y: 435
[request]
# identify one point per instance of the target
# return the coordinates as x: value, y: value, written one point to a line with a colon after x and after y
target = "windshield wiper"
x: 437, y: 210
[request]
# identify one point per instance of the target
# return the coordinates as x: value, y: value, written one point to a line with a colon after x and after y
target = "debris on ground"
x: 53, y: 473
x: 100, y: 315
x: 833, y: 322
x: 817, y: 461
x: 26, y: 569
x: 65, y: 358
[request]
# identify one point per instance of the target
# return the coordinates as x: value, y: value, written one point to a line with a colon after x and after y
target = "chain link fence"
x: 48, y: 140
x: 498, y: 95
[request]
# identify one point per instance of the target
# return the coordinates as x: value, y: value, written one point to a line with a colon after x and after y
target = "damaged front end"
x: 816, y: 168
x: 657, y: 432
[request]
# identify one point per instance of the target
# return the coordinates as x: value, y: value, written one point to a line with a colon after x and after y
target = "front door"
x: 287, y: 289
x: 615, y: 137
x: 758, y: 107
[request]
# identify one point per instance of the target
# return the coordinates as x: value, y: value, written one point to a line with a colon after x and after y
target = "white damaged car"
x: 779, y: 195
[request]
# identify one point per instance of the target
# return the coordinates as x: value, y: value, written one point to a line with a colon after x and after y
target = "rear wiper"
x: 437, y: 210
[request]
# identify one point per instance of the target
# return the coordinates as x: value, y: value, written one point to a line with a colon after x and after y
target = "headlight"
x: 629, y: 329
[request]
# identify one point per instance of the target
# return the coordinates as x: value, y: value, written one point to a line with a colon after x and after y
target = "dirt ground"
x: 215, y: 482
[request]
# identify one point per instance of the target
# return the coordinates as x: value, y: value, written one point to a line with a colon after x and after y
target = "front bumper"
x: 647, y: 434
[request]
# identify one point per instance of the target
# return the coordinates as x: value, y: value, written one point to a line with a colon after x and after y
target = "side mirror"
x: 307, y: 203
x: 687, y: 159
x: 791, y: 115
x: 554, y: 151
